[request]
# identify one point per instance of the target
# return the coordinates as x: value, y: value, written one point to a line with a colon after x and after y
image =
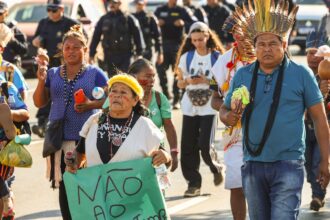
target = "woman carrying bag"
x: 198, y: 51
x: 58, y: 85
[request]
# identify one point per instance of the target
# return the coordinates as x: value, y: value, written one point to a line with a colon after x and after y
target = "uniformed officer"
x: 198, y: 12
x: 17, y: 47
x: 173, y: 21
x: 217, y: 13
x: 118, y: 31
x: 49, y: 34
x: 150, y: 30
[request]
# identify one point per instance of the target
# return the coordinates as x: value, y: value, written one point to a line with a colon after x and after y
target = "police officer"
x: 198, y: 12
x: 173, y: 20
x: 150, y: 30
x: 49, y: 34
x: 117, y: 30
x: 217, y: 13
x: 18, y: 46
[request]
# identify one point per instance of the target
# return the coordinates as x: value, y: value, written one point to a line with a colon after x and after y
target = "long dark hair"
x: 213, y: 43
x: 138, y: 65
x: 140, y: 109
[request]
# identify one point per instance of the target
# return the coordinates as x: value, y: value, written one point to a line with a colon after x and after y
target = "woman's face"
x: 73, y: 51
x: 146, y: 77
x: 122, y: 99
x: 199, y: 39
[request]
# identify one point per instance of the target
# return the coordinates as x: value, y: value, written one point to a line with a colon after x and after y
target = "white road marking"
x: 185, y: 205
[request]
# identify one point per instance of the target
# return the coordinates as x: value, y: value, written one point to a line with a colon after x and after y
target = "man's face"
x: 140, y: 6
x: 55, y: 13
x: 172, y: 2
x: 186, y: 2
x: 312, y: 60
x: 114, y: 6
x: 212, y: 2
x: 269, y: 49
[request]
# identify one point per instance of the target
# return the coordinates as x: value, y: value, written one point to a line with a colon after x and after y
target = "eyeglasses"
x: 268, y: 83
x: 53, y: 10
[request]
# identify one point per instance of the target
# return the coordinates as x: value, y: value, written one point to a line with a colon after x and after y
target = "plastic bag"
x: 15, y: 155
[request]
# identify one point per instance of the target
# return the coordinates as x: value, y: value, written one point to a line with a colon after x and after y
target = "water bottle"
x: 11, y: 101
x: 162, y: 176
x: 24, y: 139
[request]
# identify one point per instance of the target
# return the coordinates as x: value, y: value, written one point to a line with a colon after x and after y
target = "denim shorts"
x: 273, y: 189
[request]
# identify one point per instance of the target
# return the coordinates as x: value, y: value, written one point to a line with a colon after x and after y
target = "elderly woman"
x: 58, y: 86
x: 159, y: 107
x: 122, y: 132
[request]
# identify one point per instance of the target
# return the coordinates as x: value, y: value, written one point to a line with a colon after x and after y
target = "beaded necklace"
x: 117, y: 139
x: 71, y: 83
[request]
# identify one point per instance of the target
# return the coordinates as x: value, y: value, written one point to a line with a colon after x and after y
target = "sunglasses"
x: 53, y: 10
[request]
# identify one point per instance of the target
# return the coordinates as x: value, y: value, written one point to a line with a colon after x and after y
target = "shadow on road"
x: 212, y: 215
x: 41, y: 215
x: 307, y: 214
x: 173, y: 198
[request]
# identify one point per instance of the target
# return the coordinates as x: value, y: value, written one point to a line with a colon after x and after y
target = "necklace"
x: 67, y: 97
x: 271, y: 114
x: 117, y: 139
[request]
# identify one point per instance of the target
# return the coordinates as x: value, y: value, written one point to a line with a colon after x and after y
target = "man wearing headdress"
x: 241, y: 54
x: 314, y: 40
x: 273, y: 130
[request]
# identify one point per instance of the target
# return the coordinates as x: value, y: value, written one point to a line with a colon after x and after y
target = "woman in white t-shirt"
x: 122, y: 133
x: 197, y: 53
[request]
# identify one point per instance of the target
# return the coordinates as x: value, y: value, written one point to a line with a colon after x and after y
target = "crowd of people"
x: 214, y: 51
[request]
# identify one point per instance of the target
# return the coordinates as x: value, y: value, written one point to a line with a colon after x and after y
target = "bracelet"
x: 174, y: 150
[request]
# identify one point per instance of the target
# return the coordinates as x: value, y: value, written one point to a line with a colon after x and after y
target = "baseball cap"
x: 3, y: 7
x: 54, y: 3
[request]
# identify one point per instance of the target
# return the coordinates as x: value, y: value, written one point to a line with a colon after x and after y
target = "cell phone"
x: 195, y: 76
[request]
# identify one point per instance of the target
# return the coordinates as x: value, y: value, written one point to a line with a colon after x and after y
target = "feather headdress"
x: 264, y: 16
x: 247, y: 49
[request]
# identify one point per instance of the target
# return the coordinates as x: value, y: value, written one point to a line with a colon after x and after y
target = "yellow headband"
x: 128, y: 80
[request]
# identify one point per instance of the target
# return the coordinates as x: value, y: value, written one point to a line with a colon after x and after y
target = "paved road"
x: 36, y: 200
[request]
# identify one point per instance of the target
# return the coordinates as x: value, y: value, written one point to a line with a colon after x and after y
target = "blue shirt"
x: 17, y: 104
x: 91, y: 77
x: 286, y: 140
x: 18, y: 78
